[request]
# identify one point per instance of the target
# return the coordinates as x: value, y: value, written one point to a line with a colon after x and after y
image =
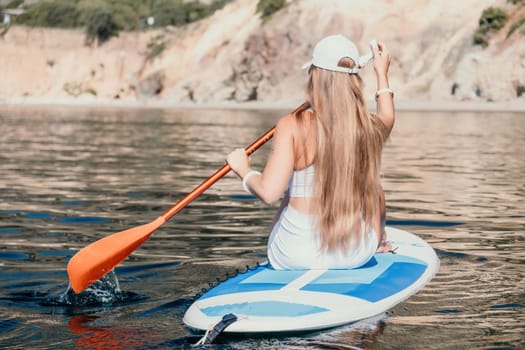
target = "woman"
x: 326, y: 160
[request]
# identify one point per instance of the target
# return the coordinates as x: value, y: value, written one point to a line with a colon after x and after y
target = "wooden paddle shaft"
x: 215, y: 177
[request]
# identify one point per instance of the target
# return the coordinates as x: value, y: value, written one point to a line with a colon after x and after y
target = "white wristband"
x: 247, y: 177
x: 382, y: 91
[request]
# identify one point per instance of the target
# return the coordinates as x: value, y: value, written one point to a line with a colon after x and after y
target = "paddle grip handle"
x: 225, y: 169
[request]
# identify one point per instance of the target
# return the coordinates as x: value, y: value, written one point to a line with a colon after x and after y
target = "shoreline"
x: 516, y: 106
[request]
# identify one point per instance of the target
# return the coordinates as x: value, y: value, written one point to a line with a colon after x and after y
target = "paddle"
x: 100, y: 257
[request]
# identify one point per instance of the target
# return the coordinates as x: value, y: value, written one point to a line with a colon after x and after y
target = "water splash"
x: 104, y: 292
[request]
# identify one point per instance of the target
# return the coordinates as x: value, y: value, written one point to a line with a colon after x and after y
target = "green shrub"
x: 516, y: 25
x: 169, y: 12
x: 58, y: 13
x: 179, y: 12
x: 125, y: 16
x: 155, y: 47
x: 91, y: 91
x: 61, y: 15
x: 268, y: 7
x: 480, y: 39
x: 196, y: 11
x: 515, y: 2
x: 101, y: 26
x: 87, y: 7
x: 492, y: 18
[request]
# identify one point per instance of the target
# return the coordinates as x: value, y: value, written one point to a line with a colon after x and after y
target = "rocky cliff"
x: 234, y: 56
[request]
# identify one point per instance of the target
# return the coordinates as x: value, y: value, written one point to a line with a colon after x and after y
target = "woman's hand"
x: 385, y: 247
x: 239, y: 162
x: 382, y: 59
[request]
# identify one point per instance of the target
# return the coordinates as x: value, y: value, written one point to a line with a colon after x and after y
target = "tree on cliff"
x: 104, y: 19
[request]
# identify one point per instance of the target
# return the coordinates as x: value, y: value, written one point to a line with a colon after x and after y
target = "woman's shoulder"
x: 287, y: 124
x: 290, y: 121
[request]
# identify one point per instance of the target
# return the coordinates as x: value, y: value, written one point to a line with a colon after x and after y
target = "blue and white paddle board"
x: 268, y: 300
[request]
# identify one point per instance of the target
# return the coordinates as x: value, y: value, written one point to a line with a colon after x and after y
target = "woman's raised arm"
x: 384, y: 95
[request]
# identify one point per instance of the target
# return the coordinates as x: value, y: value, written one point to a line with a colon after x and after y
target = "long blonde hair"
x: 349, y: 142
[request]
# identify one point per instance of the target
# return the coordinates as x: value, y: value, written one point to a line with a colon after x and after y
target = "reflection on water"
x: 72, y: 176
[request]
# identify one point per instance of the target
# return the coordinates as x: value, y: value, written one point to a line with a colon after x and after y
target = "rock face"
x: 233, y: 56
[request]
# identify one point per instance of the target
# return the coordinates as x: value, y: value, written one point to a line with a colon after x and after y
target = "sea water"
x: 70, y: 176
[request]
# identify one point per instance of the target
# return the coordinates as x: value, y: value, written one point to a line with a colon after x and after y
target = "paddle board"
x: 268, y: 300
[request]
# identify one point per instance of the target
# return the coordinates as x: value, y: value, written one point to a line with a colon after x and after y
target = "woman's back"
x: 304, y: 142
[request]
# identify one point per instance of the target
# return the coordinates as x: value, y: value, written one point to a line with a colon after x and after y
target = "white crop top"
x: 302, y: 183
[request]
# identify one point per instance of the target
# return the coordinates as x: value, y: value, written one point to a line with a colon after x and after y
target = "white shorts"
x: 294, y: 244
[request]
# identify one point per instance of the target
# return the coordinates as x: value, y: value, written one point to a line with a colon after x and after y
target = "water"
x: 72, y: 176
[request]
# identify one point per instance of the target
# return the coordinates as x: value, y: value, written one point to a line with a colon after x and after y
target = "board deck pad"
x: 268, y: 300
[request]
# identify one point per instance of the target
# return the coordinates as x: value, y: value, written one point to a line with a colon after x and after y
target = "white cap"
x: 330, y: 50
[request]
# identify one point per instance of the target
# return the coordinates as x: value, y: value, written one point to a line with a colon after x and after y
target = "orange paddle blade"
x: 100, y: 257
